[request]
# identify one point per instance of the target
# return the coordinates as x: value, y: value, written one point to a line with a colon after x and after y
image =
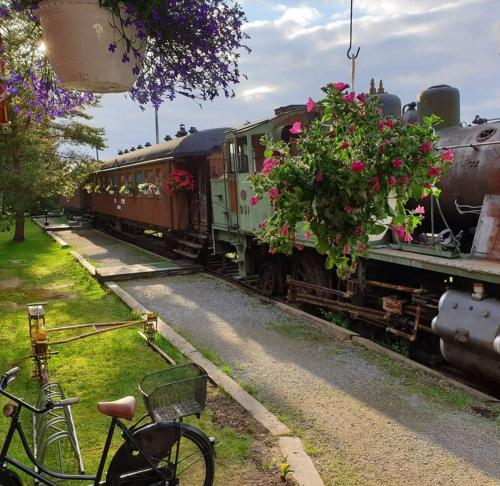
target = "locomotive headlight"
x: 496, y: 345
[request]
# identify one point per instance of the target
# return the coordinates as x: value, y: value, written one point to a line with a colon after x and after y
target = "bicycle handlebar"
x: 10, y: 376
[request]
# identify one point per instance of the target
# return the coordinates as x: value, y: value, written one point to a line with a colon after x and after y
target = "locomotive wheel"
x: 269, y: 277
x: 308, y: 268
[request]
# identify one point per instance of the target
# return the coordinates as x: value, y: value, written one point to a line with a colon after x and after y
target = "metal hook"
x: 349, y: 55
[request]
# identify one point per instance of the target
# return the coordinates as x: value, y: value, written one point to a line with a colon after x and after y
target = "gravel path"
x: 104, y: 251
x: 361, y: 424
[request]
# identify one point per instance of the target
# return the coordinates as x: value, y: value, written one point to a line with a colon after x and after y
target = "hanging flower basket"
x: 180, y: 181
x: 77, y: 35
x: 111, y: 190
x: 126, y: 189
x: 150, y: 189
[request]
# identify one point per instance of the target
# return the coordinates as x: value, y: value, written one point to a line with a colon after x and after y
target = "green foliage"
x: 348, y: 175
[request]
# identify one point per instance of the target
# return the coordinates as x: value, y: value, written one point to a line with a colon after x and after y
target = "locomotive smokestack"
x: 441, y: 100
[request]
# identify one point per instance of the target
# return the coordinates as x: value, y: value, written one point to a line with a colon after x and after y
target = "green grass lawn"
x: 104, y: 367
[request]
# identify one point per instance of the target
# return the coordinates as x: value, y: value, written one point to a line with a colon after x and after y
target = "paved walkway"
x: 363, y: 422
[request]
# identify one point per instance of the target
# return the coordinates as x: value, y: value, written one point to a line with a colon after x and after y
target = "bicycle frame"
x: 16, y: 426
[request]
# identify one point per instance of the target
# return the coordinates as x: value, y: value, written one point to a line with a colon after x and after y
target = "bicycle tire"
x: 9, y: 478
x: 159, y: 441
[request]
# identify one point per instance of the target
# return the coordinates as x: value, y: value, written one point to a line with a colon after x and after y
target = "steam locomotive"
x: 440, y: 293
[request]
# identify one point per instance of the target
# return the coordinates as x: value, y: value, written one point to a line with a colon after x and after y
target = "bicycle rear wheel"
x: 195, y: 462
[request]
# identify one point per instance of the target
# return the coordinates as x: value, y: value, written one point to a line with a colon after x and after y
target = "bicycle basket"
x: 175, y: 392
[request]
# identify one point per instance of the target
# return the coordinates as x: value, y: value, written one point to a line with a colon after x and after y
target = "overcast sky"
x: 299, y: 46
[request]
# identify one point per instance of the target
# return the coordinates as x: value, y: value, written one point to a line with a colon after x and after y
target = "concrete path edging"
x: 58, y: 240
x: 84, y: 263
x: 292, y: 448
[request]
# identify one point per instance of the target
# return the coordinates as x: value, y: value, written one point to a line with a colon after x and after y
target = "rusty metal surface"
x: 392, y: 305
x: 472, y: 268
x: 401, y: 288
x: 474, y: 173
x: 487, y: 237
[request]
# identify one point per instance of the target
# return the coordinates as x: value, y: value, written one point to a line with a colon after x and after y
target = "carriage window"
x: 129, y: 178
x: 114, y: 180
x: 242, y: 157
x: 122, y: 179
x: 149, y: 175
x: 158, y: 175
x: 258, y: 152
x: 230, y: 156
x: 138, y: 177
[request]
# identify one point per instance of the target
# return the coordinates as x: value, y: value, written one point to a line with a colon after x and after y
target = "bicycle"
x: 151, y: 454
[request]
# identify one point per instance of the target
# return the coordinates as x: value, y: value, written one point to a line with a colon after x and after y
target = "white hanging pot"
x: 77, y: 35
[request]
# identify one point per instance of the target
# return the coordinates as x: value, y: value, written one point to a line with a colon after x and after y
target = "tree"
x: 40, y: 151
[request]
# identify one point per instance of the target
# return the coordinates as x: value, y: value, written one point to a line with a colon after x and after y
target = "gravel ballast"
x: 360, y: 423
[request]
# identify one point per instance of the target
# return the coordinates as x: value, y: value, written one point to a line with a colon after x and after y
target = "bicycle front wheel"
x: 182, y: 455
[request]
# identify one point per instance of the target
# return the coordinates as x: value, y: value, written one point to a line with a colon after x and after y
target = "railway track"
x: 228, y: 274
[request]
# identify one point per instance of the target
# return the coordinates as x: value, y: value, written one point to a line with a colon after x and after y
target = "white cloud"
x: 410, y: 44
x: 251, y: 94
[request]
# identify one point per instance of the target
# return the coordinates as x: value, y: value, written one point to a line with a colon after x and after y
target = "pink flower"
x: 360, y: 246
x: 345, y: 145
x: 392, y: 181
x: 299, y: 246
x: 375, y: 182
x: 254, y: 200
x: 349, y: 98
x: 284, y: 230
x: 348, y: 209
x: 407, y: 237
x: 319, y: 176
x: 426, y: 185
x: 404, y: 180
x: 307, y: 235
x: 358, y: 231
x: 310, y: 105
x: 419, y: 210
x: 338, y: 237
x: 397, y: 163
x: 347, y: 250
x: 274, y: 193
x: 447, y: 156
x: 426, y: 147
x: 389, y: 123
x: 352, y: 128
x: 399, y: 231
x: 434, y: 172
x: 296, y: 128
x: 273, y: 251
x: 263, y: 224
x: 361, y: 98
x: 381, y: 125
x: 358, y: 166
x: 340, y: 86
x: 268, y: 166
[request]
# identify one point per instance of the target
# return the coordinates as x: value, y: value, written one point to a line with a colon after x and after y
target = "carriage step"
x: 193, y: 234
x: 191, y: 244
x: 187, y: 254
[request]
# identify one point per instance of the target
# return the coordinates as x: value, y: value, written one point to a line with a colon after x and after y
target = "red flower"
x: 392, y: 181
x: 434, y: 172
x: 358, y: 231
x: 300, y: 246
x: 361, y: 247
x: 447, y: 156
x: 349, y: 98
x: 397, y: 163
x: 347, y: 250
x: 340, y: 86
x: 284, y: 230
x: 352, y: 128
x: 348, y: 209
x: 375, y: 182
x: 274, y: 193
x: 361, y: 98
x: 254, y: 200
x: 273, y: 251
x: 358, y: 166
x: 389, y: 123
x: 268, y: 166
x: 381, y: 125
x: 426, y: 185
x: 426, y: 147
x: 404, y: 180
x: 319, y: 176
x: 345, y: 145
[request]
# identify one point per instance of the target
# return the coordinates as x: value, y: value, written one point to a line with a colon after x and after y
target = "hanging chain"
x: 352, y: 57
